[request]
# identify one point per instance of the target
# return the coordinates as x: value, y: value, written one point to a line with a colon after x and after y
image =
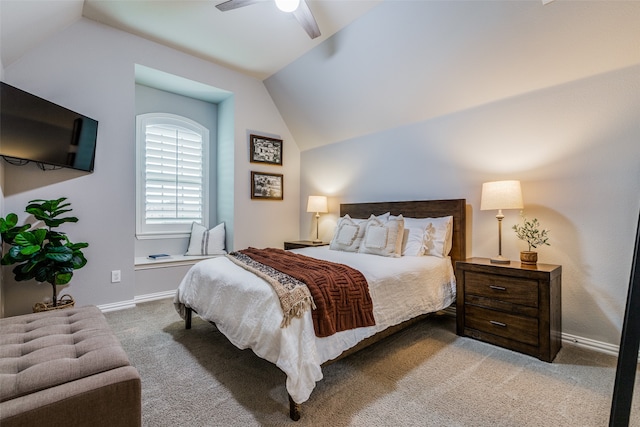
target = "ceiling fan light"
x: 287, y: 5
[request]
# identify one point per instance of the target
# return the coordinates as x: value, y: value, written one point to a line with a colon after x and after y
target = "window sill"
x: 144, y: 263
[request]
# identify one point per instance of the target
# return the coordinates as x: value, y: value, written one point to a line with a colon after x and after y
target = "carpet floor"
x: 425, y: 375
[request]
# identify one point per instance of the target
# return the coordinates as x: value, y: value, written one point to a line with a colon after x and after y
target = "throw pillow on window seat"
x: 206, y: 242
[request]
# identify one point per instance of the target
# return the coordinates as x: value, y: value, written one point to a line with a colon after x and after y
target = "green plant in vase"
x: 43, y: 254
x: 531, y: 233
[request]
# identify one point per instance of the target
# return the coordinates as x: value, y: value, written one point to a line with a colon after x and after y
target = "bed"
x: 244, y: 307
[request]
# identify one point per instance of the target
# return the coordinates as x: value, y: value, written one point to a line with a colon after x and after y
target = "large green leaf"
x: 15, y: 255
x: 51, y: 222
x: 40, y: 234
x: 63, y: 278
x: 78, y: 260
x: 8, y: 223
x: 77, y: 246
x: 59, y: 253
x: 26, y: 238
x: 28, y: 267
x: 42, y: 275
x: 29, y: 250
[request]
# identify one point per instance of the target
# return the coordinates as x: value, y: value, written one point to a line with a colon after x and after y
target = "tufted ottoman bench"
x: 65, y: 368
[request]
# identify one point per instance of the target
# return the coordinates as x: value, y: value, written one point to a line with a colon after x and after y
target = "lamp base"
x: 316, y: 241
x: 500, y: 260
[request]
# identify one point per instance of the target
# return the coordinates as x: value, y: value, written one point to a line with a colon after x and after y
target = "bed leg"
x: 294, y: 409
x: 187, y: 317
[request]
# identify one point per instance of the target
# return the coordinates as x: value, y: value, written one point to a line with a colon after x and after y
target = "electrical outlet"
x: 115, y: 276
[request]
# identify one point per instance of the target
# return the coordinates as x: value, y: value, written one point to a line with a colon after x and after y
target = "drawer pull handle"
x: 495, y: 323
x: 497, y: 288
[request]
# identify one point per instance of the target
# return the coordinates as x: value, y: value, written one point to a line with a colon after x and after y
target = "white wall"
x: 89, y: 68
x: 575, y: 147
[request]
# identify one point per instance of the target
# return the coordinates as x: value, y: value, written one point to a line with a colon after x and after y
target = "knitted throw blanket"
x: 340, y: 293
x: 294, y: 295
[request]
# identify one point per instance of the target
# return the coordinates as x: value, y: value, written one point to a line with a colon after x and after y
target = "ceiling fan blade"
x: 304, y: 16
x: 235, y: 4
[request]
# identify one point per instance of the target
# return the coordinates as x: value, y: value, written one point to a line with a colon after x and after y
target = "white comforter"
x: 246, y: 310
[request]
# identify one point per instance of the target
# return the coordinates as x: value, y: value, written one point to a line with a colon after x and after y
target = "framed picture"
x: 265, y: 150
x: 268, y: 186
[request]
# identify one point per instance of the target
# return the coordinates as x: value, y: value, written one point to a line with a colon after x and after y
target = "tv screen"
x: 34, y: 129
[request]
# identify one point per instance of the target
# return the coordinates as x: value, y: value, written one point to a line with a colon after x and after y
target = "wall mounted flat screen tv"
x: 34, y: 129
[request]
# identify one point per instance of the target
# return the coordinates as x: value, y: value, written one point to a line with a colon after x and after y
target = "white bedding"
x: 246, y: 310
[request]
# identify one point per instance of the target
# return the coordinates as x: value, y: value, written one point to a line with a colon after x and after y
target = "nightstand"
x: 302, y: 244
x: 510, y: 305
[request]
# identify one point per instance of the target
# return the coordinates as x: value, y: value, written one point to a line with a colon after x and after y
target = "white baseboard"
x: 115, y: 306
x: 155, y: 296
x: 590, y: 344
x: 122, y: 305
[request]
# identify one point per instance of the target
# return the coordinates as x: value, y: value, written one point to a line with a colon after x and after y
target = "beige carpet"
x: 423, y: 376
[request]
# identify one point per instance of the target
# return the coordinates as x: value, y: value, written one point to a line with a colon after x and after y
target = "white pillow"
x: 414, y: 234
x: 384, y: 217
x: 348, y: 234
x: 438, y: 236
x: 383, y: 238
x: 206, y: 242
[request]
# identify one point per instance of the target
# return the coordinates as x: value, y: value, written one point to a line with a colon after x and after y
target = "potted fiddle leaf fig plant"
x: 43, y: 254
x: 531, y: 233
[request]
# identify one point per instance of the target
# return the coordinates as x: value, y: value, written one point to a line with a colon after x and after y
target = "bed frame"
x: 413, y: 209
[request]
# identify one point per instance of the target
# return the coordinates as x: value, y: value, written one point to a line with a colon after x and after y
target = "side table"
x: 511, y: 305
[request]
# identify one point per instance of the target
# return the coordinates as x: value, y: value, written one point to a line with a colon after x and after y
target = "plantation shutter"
x: 172, y: 170
x: 173, y: 175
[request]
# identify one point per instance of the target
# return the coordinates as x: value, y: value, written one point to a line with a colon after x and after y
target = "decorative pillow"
x: 384, y: 217
x: 437, y: 241
x: 414, y: 234
x: 206, y: 242
x: 348, y: 234
x: 375, y: 236
x: 383, y: 238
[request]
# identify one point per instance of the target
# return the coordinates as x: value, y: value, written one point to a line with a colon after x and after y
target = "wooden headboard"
x: 420, y: 209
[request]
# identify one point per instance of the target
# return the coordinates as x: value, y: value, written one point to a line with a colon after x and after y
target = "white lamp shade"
x: 501, y: 195
x: 317, y: 204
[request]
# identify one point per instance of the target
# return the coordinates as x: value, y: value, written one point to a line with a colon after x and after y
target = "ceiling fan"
x: 299, y: 8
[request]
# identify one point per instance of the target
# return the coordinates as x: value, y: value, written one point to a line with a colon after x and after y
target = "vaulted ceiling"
x: 378, y: 64
x: 410, y: 61
x: 257, y: 40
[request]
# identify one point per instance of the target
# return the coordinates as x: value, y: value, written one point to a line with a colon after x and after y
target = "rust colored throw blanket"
x: 340, y: 293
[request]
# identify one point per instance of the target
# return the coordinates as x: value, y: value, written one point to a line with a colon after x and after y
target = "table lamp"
x: 501, y: 195
x: 317, y: 204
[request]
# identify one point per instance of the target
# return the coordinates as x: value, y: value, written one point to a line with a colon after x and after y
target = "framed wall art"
x: 267, y: 186
x: 265, y: 150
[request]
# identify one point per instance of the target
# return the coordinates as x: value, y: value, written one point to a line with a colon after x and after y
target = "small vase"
x: 529, y: 257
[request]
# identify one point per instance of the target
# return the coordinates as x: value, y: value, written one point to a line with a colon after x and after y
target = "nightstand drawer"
x: 518, y: 328
x: 513, y: 290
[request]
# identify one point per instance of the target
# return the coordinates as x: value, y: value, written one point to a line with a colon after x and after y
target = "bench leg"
x: 187, y: 317
x: 294, y: 409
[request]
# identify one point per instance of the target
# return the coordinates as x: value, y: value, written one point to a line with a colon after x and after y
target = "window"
x: 172, y: 175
